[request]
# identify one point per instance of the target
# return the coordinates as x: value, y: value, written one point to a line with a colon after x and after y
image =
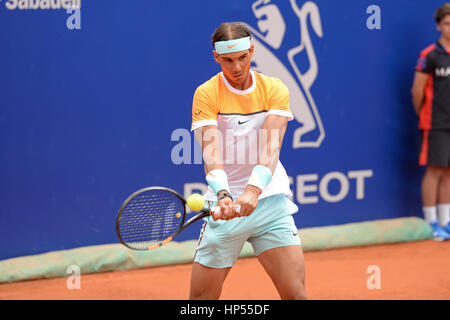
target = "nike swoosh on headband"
x: 233, y: 45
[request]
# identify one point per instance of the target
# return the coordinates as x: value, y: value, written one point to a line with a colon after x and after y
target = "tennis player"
x: 239, y: 117
x: 431, y: 100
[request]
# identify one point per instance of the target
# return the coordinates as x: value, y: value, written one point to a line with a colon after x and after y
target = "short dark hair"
x: 230, y: 31
x: 442, y: 12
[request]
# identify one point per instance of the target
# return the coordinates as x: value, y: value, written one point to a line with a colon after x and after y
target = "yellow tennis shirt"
x: 239, y: 114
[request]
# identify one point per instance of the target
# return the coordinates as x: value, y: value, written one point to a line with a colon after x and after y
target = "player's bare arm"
x: 209, y: 139
x: 275, y: 128
x: 418, y: 90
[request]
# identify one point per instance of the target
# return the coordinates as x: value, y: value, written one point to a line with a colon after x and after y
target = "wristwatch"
x: 223, y: 195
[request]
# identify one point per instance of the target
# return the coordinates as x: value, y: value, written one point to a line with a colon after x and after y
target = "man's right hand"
x: 227, y: 210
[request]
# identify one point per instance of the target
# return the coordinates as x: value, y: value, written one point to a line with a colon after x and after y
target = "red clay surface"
x: 414, y: 270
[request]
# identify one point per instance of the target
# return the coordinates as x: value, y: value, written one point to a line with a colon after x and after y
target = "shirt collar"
x: 441, y: 48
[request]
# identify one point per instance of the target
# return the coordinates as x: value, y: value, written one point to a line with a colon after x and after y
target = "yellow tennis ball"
x: 195, y: 202
x: 178, y: 215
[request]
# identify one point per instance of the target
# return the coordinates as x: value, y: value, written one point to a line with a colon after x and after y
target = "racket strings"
x: 150, y: 218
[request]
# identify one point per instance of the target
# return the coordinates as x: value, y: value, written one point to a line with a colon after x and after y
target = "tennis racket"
x: 154, y: 216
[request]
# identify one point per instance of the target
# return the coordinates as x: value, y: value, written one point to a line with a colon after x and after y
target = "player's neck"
x: 244, y: 85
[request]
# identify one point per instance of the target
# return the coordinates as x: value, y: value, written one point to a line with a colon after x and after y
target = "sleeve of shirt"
x: 279, y: 100
x: 425, y: 63
x: 204, y: 111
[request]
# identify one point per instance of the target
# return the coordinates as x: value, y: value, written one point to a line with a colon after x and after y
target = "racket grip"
x: 217, y: 209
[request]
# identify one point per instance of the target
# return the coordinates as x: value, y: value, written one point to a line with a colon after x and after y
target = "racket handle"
x: 217, y: 209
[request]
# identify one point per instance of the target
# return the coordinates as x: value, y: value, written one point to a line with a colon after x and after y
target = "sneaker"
x: 447, y: 228
x: 439, y: 234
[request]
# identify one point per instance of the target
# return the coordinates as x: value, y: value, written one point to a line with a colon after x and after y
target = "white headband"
x: 234, y: 45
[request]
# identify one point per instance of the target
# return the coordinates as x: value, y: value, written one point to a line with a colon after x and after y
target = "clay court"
x: 411, y: 270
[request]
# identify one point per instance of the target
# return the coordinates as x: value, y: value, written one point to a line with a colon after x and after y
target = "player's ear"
x: 251, y: 50
x: 216, y: 56
x: 440, y: 26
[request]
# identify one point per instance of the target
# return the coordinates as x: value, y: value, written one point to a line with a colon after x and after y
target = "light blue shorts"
x: 271, y: 225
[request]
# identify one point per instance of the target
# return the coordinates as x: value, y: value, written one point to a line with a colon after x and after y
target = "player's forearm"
x: 270, y: 154
x: 270, y: 141
x: 212, y: 158
x: 418, y: 90
x: 209, y: 139
x: 417, y: 100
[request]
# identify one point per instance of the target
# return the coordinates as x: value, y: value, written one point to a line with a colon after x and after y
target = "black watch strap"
x: 223, y: 195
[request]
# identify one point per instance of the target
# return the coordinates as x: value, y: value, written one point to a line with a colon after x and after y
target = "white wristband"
x: 218, y: 180
x: 260, y: 177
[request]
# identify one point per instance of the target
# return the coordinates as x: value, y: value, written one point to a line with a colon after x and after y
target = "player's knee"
x: 296, y: 293
x: 301, y: 289
x: 205, y: 289
x: 296, y: 289
x: 202, y: 289
x: 301, y: 295
x: 206, y: 283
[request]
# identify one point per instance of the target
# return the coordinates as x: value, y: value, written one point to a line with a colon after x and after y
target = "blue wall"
x: 86, y: 115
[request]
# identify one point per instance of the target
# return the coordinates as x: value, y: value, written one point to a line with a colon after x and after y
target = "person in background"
x: 431, y: 101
